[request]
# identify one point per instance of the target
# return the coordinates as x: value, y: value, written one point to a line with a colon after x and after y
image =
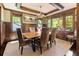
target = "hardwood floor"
x: 60, y: 49
x: 72, y: 51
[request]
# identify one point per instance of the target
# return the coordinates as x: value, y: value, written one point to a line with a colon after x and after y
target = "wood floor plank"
x: 59, y: 49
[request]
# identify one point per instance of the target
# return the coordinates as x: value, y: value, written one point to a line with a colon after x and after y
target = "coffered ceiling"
x: 37, y: 8
x: 45, y: 7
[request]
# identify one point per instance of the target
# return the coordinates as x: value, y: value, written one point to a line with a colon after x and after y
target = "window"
x: 57, y: 22
x: 49, y: 23
x: 39, y: 23
x: 69, y: 23
x: 16, y: 22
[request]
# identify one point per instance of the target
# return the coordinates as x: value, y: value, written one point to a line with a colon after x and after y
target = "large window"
x: 39, y: 23
x: 57, y: 22
x: 69, y: 23
x: 16, y: 22
x: 49, y: 23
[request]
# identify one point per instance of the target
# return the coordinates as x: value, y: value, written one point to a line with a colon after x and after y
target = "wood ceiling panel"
x: 35, y: 7
x: 31, y: 10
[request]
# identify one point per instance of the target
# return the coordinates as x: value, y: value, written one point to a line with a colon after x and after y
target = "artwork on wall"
x: 29, y: 19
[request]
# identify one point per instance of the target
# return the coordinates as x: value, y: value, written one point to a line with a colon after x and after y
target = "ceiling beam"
x: 57, y: 4
x: 52, y: 11
x: 20, y: 11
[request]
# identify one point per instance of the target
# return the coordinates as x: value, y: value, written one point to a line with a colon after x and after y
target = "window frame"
x: 72, y: 22
x: 56, y: 18
x: 17, y: 15
x: 50, y: 23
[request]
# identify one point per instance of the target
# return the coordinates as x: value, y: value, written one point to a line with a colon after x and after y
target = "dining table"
x: 32, y: 36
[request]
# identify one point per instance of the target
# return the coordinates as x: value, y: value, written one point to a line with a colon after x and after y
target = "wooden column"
x: 0, y: 27
x: 77, y: 27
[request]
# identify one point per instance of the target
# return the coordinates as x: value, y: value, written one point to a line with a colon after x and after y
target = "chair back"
x: 27, y: 30
x: 44, y: 37
x: 53, y: 34
x: 19, y: 34
x: 32, y: 29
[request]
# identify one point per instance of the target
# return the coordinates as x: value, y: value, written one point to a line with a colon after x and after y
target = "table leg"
x: 33, y: 46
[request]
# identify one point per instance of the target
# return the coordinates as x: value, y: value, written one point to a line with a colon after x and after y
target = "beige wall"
x: 6, y: 16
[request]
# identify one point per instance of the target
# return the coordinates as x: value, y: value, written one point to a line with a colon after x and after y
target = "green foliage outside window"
x: 49, y: 23
x: 16, y: 20
x: 57, y: 22
x: 69, y: 23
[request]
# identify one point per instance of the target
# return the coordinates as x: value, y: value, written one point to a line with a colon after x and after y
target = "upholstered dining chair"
x: 52, y: 37
x: 32, y: 29
x: 22, y: 41
x: 44, y: 39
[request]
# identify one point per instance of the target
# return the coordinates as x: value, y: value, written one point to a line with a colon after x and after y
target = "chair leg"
x: 54, y: 42
x: 21, y: 50
x: 47, y: 46
x: 19, y: 47
x: 33, y: 46
x: 50, y: 43
x: 40, y: 48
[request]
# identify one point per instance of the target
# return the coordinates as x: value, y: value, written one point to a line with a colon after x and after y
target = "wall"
x: 26, y: 23
x: 5, y: 18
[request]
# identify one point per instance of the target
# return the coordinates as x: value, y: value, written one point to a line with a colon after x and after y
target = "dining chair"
x: 22, y: 41
x: 32, y: 29
x: 52, y: 37
x: 27, y: 30
x: 44, y: 39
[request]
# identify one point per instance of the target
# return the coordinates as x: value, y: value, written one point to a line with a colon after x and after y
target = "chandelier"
x: 18, y: 5
x: 41, y: 15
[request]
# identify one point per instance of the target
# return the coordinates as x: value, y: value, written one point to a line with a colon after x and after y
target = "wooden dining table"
x: 32, y: 36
